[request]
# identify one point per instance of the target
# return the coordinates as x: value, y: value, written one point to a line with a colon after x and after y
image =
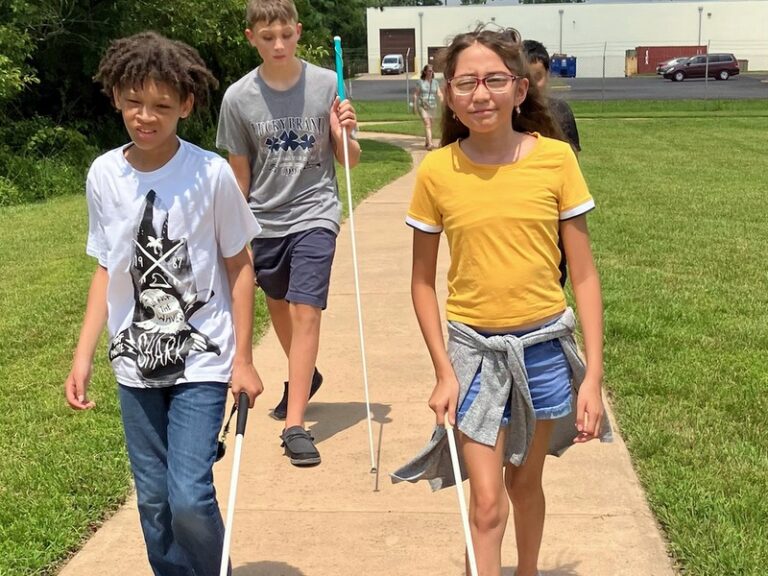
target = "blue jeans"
x: 171, y: 434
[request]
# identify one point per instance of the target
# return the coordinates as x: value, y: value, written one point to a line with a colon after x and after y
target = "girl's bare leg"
x: 523, y: 485
x: 488, y: 505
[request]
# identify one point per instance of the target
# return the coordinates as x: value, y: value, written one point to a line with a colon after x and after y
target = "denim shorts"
x: 297, y: 267
x: 549, y: 380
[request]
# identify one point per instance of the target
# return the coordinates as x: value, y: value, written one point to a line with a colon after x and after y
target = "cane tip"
x: 374, y: 470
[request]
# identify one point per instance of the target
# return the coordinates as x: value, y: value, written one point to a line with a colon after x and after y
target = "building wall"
x: 591, y: 30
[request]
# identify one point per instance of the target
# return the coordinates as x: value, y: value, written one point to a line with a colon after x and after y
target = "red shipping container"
x: 648, y: 57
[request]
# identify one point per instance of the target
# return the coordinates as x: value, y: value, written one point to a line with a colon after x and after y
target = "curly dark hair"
x: 133, y: 60
x: 534, y: 111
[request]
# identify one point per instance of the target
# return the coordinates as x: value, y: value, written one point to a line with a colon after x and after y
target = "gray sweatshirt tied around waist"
x: 501, y: 361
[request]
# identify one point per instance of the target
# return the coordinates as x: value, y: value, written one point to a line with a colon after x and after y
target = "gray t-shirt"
x: 286, y: 135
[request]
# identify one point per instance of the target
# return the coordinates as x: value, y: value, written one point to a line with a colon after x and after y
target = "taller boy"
x: 282, y: 126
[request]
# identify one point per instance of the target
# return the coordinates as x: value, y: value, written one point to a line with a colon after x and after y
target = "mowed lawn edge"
x: 63, y: 473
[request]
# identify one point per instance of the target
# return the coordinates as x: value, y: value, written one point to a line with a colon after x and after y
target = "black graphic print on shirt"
x: 290, y: 144
x: 160, y: 337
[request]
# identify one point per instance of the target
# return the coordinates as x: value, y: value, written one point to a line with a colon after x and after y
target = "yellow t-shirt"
x: 502, y: 224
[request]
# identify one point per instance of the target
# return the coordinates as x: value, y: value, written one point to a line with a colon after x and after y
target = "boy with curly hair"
x: 174, y: 283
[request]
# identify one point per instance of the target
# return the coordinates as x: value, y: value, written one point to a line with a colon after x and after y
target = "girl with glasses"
x: 505, y: 189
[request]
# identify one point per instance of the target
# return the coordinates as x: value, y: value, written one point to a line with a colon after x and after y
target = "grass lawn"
x: 680, y: 236
x: 402, y: 123
x: 62, y: 472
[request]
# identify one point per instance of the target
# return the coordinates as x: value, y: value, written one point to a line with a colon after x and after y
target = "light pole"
x: 421, y: 39
x: 701, y: 9
x: 561, y: 30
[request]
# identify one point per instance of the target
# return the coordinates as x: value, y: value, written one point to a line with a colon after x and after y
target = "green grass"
x: 413, y: 128
x: 390, y: 111
x: 62, y: 472
x: 383, y: 111
x: 680, y: 238
x: 668, y: 108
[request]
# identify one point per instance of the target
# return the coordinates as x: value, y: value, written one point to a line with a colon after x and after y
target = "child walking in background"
x: 504, y: 192
x: 282, y: 126
x: 169, y: 229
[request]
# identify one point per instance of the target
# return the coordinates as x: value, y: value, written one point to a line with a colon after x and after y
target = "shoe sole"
x: 305, y: 462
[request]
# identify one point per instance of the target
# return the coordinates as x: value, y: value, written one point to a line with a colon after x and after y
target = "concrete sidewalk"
x: 339, y: 519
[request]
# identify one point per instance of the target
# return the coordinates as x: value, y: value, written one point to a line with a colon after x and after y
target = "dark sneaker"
x: 280, y: 411
x: 299, y: 447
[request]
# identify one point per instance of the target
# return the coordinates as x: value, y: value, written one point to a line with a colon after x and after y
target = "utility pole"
x: 561, y: 30
x: 421, y: 39
x: 701, y: 9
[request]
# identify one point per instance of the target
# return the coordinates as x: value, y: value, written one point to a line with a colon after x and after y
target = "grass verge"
x: 62, y: 473
x: 679, y: 235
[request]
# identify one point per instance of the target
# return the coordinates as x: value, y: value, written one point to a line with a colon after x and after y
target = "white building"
x: 596, y: 34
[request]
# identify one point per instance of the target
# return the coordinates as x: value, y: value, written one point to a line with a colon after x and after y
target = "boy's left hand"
x: 342, y: 116
x: 589, y: 410
x: 246, y: 379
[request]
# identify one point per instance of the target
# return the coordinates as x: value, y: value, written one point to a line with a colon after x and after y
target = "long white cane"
x: 460, y: 492
x: 340, y: 89
x: 242, y: 418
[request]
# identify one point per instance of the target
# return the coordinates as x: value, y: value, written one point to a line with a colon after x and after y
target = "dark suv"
x: 721, y: 66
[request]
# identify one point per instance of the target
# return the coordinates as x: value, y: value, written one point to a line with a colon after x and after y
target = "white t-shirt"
x: 162, y: 236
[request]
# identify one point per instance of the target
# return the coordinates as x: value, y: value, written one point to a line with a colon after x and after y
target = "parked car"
x: 662, y: 67
x: 721, y: 66
x: 393, y: 64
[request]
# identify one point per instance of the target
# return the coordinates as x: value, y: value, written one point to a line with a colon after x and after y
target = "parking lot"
x: 747, y: 86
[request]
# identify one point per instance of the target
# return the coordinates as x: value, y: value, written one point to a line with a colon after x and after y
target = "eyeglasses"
x: 497, y: 83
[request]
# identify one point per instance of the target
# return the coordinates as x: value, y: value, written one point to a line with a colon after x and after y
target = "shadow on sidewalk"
x: 332, y: 417
x: 267, y: 568
x: 564, y: 570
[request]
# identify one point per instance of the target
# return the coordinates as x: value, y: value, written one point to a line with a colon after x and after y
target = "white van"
x: 392, y: 64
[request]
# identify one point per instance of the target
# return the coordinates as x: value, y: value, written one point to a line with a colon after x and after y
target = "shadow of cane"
x: 330, y: 418
x: 267, y: 569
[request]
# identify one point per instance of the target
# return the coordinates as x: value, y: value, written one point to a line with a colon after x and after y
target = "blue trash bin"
x: 570, y: 67
x: 554, y: 66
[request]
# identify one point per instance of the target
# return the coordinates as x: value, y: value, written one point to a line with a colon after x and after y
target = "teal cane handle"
x: 339, y: 68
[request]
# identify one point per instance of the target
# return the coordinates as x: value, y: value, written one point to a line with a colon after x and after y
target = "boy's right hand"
x: 444, y: 399
x: 76, y: 386
x: 246, y: 379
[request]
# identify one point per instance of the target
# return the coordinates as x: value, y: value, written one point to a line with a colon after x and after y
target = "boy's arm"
x: 343, y: 116
x: 241, y: 166
x: 245, y: 378
x: 76, y: 384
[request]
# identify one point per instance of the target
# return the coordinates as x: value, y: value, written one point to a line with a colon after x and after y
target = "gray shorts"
x: 297, y: 267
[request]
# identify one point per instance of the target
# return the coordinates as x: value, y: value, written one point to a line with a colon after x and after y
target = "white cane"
x: 242, y: 418
x: 340, y: 89
x: 460, y: 492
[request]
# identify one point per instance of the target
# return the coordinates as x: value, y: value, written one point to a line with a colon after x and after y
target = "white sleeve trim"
x: 578, y: 210
x: 428, y: 228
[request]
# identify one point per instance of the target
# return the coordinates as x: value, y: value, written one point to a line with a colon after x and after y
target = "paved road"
x: 634, y: 88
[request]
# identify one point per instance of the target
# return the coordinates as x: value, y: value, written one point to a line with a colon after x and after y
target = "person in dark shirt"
x: 538, y: 64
